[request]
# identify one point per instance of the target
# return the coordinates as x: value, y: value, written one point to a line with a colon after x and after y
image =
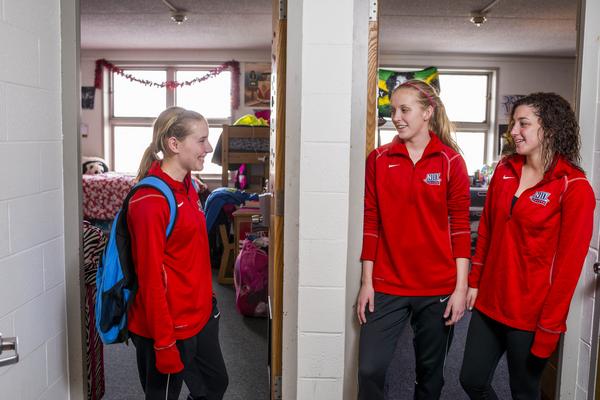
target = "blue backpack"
x: 116, y: 281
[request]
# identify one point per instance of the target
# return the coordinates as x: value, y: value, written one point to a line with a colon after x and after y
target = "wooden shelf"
x: 238, y: 157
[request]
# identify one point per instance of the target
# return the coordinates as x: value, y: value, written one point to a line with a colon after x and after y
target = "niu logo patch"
x: 540, y: 198
x: 433, y: 179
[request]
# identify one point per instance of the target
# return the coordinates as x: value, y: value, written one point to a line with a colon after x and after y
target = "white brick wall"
x: 2, y: 110
x: 319, y: 389
x: 32, y: 278
x: 321, y: 127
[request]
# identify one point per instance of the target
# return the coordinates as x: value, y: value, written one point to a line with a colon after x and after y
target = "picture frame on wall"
x: 87, y: 97
x: 257, y: 85
x: 502, y: 128
x: 507, y: 103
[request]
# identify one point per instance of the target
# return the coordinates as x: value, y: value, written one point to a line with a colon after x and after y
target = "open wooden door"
x: 276, y: 187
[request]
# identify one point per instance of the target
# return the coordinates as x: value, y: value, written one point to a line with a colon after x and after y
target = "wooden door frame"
x: 372, y: 76
x: 75, y: 289
x: 276, y: 187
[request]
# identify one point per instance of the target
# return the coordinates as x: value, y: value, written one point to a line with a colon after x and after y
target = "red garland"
x: 233, y: 65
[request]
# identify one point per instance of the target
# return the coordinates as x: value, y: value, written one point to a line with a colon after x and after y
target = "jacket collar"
x: 176, y: 186
x: 561, y: 167
x: 398, y: 147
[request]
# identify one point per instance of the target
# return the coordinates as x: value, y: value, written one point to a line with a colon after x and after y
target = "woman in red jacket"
x: 416, y: 243
x: 533, y: 237
x: 173, y: 320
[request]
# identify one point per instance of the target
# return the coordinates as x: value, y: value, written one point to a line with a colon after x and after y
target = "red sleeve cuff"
x: 544, y: 343
x: 473, y: 281
x: 369, y: 249
x: 461, y: 245
x: 168, y: 360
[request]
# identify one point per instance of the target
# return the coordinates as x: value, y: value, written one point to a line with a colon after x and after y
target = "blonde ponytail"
x: 439, y: 122
x: 147, y: 159
x: 172, y: 122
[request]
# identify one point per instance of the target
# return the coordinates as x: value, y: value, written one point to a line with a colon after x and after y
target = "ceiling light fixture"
x: 480, y: 16
x: 177, y: 15
x: 478, y: 19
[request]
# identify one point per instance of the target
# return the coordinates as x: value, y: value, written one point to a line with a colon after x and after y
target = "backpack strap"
x: 160, y: 185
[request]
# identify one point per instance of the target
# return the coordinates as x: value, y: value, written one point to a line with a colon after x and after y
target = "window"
x: 467, y: 96
x: 134, y: 106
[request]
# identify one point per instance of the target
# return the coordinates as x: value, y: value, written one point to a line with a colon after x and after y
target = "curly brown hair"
x: 559, y: 124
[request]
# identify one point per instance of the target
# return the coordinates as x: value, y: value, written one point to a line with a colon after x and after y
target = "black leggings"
x: 379, y: 336
x: 204, y: 370
x: 487, y: 340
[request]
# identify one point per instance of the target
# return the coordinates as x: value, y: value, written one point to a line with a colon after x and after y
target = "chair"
x: 227, y: 258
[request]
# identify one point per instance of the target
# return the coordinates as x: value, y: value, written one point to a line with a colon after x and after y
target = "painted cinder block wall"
x: 32, y: 277
x: 317, y: 196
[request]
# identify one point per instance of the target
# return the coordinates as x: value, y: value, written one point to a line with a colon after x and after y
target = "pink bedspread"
x: 103, y: 194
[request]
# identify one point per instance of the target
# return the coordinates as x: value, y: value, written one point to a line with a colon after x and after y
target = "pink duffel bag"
x: 251, y: 280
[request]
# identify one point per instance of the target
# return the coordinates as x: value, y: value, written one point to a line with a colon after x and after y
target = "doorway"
x: 465, y: 42
x: 192, y: 44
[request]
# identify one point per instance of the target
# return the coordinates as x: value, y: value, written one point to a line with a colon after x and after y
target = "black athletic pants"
x: 487, y: 340
x: 379, y: 336
x: 204, y: 370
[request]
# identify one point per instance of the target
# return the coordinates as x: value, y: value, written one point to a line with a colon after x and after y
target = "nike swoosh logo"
x: 180, y: 204
x: 508, y: 177
x: 443, y: 299
x: 217, y: 316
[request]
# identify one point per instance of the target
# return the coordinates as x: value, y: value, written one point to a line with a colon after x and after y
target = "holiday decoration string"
x: 234, y: 66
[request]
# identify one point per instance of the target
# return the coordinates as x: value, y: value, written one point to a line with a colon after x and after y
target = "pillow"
x: 93, y: 165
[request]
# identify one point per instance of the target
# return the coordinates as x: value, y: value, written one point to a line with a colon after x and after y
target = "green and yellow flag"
x: 389, y: 80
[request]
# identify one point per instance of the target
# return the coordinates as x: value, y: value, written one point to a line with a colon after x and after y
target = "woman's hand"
x: 366, y: 296
x: 471, y: 297
x: 456, y: 307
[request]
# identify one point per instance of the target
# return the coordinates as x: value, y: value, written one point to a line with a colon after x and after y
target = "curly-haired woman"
x: 533, y: 238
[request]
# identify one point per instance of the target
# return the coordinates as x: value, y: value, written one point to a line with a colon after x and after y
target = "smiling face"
x: 408, y: 115
x: 194, y: 147
x: 526, y: 132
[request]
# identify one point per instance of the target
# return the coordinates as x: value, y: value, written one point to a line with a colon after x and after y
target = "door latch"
x: 8, y: 344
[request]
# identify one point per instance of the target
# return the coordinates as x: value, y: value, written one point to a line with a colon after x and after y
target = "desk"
x: 242, y: 224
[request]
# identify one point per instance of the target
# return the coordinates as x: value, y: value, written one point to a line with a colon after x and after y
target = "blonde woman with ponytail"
x: 416, y: 243
x: 173, y: 320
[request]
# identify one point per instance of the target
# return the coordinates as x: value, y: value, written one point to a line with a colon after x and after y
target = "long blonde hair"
x: 439, y: 121
x: 172, y: 122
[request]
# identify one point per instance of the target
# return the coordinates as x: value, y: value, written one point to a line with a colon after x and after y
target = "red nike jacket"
x: 527, y: 262
x: 416, y: 219
x: 174, y: 298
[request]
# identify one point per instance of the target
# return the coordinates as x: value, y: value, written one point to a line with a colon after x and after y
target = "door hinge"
x: 373, y: 6
x: 282, y: 10
x: 277, y: 388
